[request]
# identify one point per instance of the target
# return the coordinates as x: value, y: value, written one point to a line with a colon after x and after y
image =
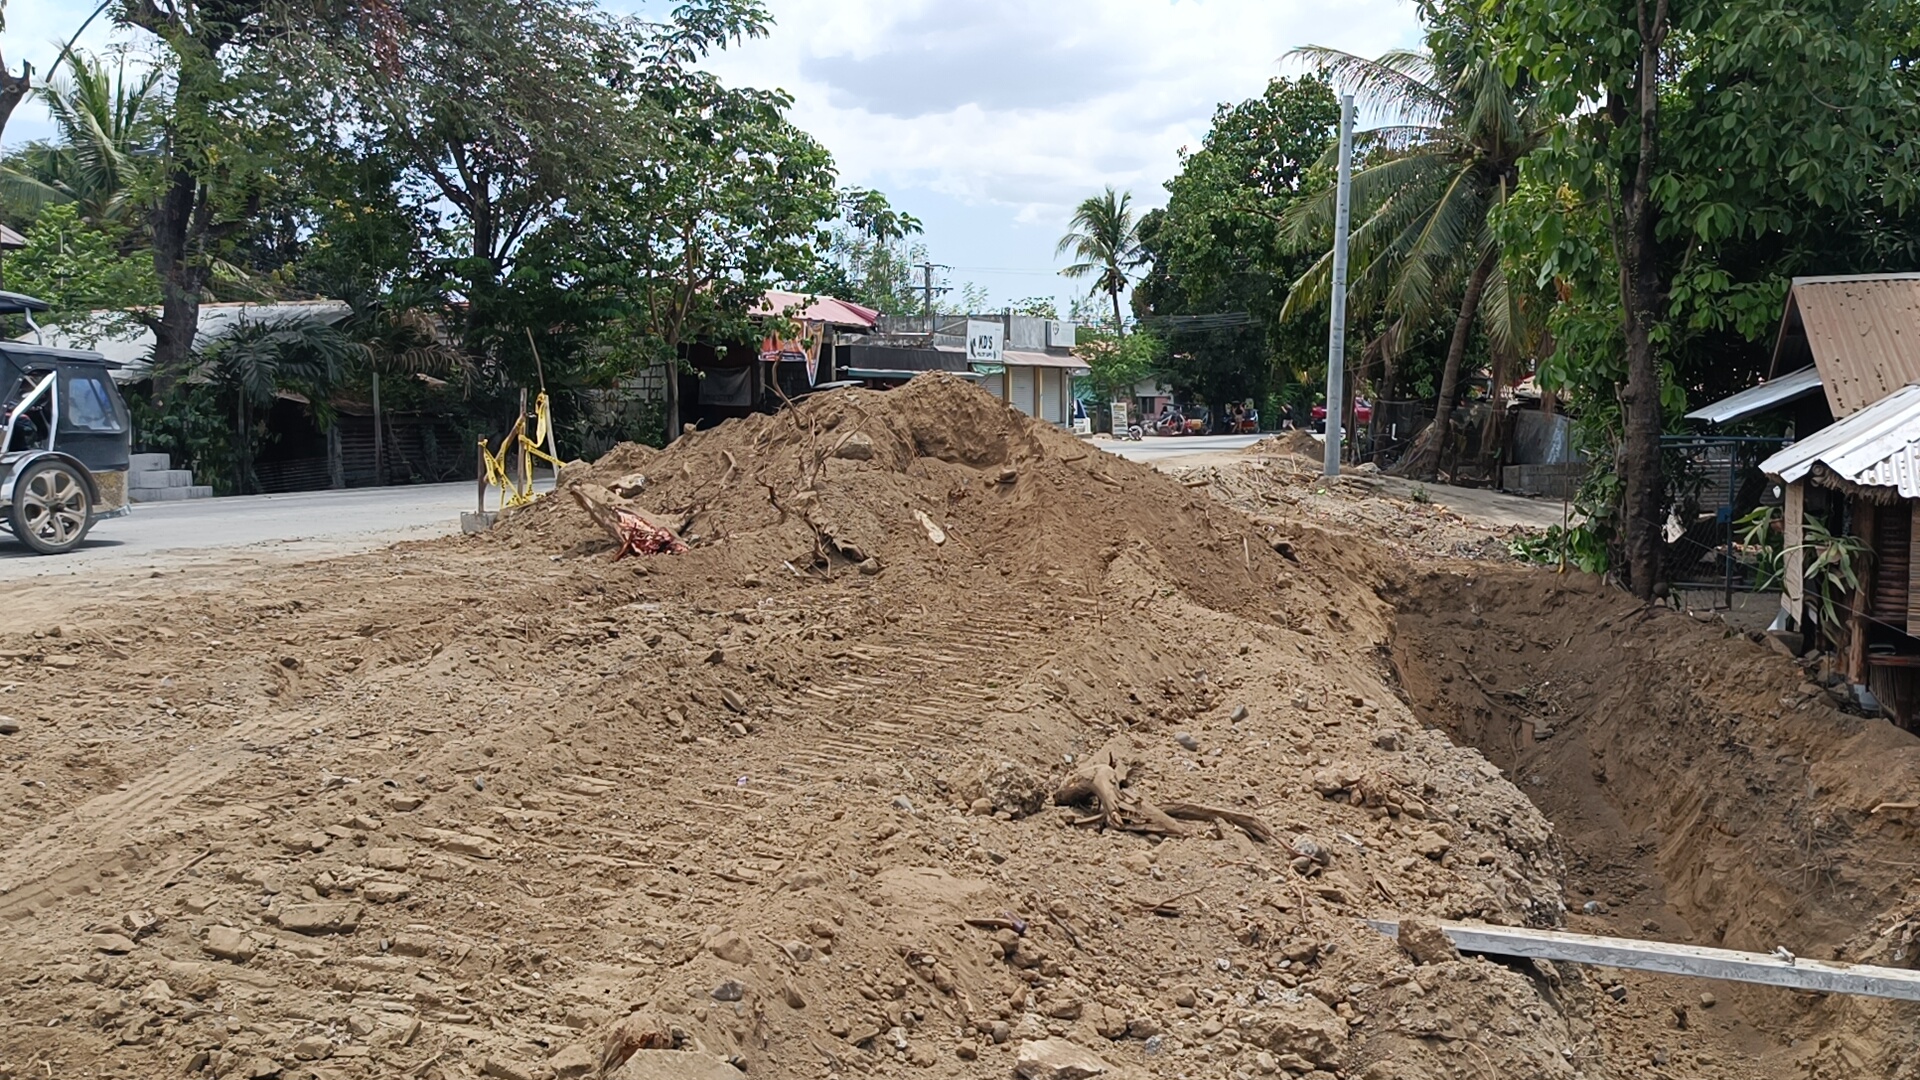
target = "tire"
x: 51, y: 510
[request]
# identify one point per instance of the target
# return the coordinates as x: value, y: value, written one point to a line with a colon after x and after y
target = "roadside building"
x: 1861, y: 478
x: 1846, y: 385
x: 1025, y: 361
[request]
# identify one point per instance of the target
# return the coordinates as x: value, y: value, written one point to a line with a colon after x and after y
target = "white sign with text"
x: 984, y: 341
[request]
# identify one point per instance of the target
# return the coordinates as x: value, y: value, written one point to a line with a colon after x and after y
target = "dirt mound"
x: 846, y: 477
x: 951, y: 746
x: 1296, y: 441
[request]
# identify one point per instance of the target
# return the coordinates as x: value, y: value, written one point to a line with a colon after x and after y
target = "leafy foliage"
x: 1117, y: 363
x: 105, y: 123
x: 77, y: 268
x: 1427, y: 196
x: 1215, y: 249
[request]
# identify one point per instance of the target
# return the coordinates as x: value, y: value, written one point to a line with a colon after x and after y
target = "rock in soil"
x: 1057, y: 1059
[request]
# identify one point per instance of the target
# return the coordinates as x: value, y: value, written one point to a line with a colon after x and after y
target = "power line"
x: 1222, y: 320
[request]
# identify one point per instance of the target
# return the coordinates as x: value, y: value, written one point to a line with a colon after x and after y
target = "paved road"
x: 1155, y: 448
x: 303, y: 524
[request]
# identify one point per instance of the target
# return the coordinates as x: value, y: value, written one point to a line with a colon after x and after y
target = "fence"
x: 1712, y: 482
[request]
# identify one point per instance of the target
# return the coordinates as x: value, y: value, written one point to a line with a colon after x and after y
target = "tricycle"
x: 66, y: 441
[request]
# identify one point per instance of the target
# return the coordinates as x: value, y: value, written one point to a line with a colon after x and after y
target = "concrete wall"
x: 1552, y: 481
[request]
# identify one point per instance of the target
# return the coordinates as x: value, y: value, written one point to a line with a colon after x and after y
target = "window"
x: 90, y: 406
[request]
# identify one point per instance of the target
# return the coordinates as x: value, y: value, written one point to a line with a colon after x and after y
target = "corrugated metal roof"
x: 1863, y: 331
x: 11, y: 239
x: 1758, y: 399
x: 131, y: 345
x: 1879, y: 446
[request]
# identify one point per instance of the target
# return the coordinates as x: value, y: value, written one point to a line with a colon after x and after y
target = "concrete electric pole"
x: 1337, y: 322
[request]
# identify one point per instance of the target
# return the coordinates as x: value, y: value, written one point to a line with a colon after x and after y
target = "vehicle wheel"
x: 51, y: 510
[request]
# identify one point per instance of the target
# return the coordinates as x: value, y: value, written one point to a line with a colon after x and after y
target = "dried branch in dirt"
x: 1247, y: 823
x: 1098, y: 781
x: 634, y: 531
x: 1165, y: 908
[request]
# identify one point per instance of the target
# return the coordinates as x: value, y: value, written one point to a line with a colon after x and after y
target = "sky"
x: 986, y: 119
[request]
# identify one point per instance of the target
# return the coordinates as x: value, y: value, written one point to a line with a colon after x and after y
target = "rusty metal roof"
x: 1863, y: 333
x: 1879, y: 446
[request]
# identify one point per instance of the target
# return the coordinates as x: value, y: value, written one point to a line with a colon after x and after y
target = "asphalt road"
x: 1156, y: 448
x: 303, y: 524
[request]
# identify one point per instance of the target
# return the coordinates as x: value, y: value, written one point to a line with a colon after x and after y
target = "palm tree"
x: 256, y: 361
x: 1105, y: 238
x: 1423, y: 203
x: 397, y: 333
x: 105, y: 124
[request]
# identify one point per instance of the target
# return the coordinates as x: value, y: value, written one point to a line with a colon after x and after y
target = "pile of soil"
x: 1295, y: 441
x: 1279, y: 492
x: 951, y: 746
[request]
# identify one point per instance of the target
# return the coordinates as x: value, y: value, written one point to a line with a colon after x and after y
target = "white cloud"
x: 1031, y: 106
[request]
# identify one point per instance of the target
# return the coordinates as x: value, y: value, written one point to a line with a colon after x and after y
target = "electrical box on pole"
x: 1337, y: 298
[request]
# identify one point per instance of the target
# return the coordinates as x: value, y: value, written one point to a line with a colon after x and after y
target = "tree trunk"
x: 1640, y: 299
x: 336, y: 458
x: 379, y: 437
x: 181, y: 282
x: 673, y: 400
x: 14, y: 89
x: 1119, y: 328
x: 1423, y: 461
x: 243, y: 445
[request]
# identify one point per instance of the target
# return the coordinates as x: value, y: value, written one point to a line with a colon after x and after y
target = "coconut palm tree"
x: 398, y: 333
x: 1104, y: 236
x: 255, y: 362
x: 1423, y: 204
x: 105, y: 123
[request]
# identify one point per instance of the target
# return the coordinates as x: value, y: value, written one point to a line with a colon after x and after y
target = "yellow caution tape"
x: 519, y: 494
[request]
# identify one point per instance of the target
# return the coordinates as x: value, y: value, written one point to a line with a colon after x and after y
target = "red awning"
x: 816, y: 309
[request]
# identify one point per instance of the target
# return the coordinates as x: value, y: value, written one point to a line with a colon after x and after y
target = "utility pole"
x: 1337, y: 321
x: 926, y: 271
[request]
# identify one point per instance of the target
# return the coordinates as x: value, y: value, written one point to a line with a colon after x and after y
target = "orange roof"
x: 1862, y: 331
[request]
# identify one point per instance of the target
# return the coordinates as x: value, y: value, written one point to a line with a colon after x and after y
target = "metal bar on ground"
x: 1698, y: 961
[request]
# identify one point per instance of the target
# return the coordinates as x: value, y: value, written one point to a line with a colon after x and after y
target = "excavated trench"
x: 1702, y: 791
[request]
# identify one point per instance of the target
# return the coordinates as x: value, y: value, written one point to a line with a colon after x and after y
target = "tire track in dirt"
x: 66, y: 855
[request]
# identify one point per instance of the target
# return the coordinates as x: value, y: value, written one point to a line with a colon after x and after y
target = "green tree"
x: 1038, y: 307
x: 105, y: 124
x: 247, y: 86
x: 79, y: 270
x: 1734, y: 142
x: 867, y: 256
x: 1115, y: 364
x: 1103, y: 236
x: 682, y: 242
x: 1426, y: 196
x: 251, y: 364
x: 1218, y: 275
